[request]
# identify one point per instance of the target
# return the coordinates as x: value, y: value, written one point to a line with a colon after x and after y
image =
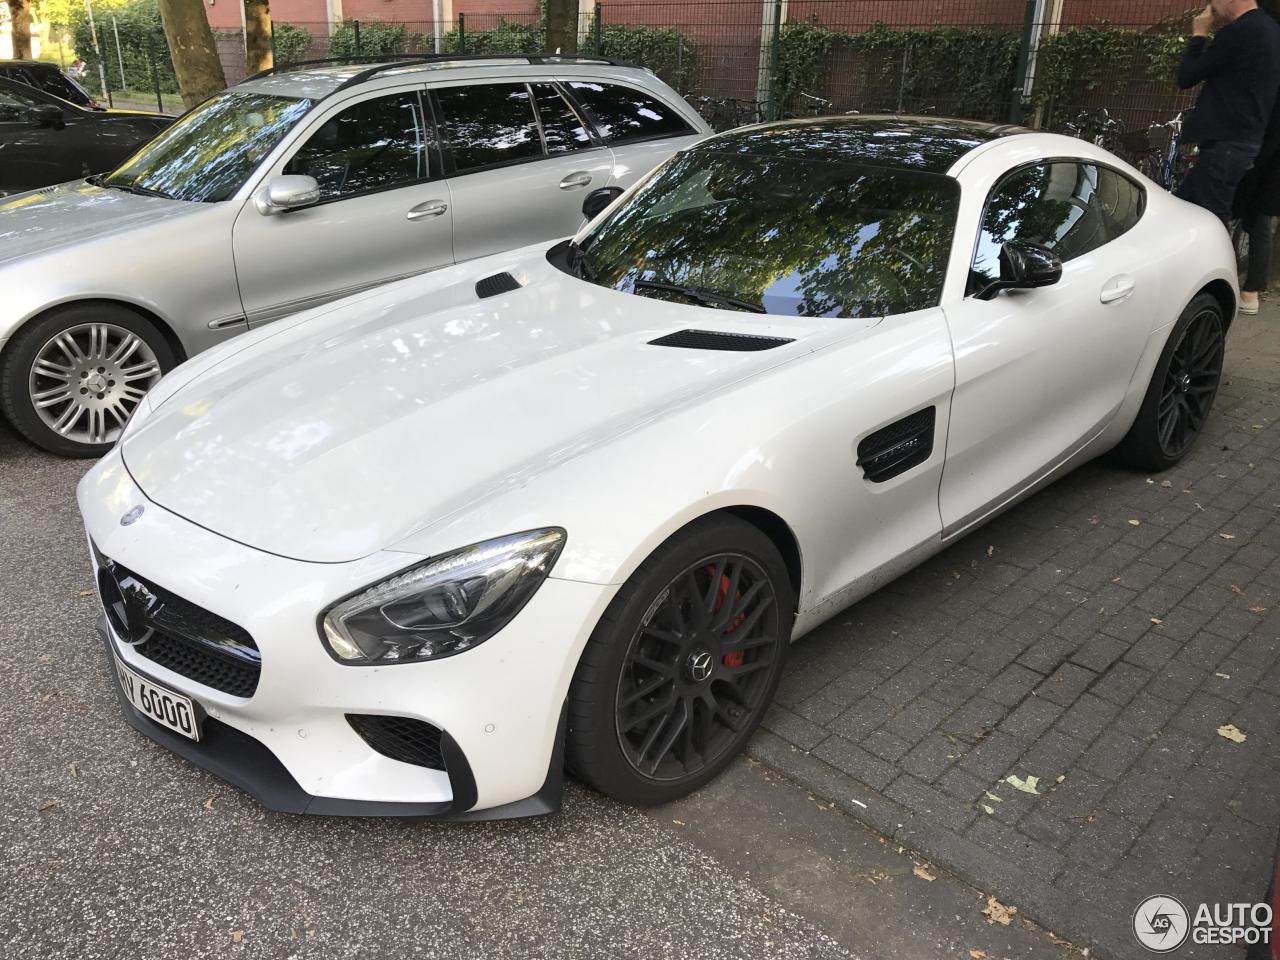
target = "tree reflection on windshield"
x: 209, y: 153
x: 803, y: 238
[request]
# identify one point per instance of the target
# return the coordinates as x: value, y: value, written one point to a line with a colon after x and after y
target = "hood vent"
x: 712, y: 340
x: 498, y: 283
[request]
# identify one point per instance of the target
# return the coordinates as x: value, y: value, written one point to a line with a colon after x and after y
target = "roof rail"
x: 392, y: 61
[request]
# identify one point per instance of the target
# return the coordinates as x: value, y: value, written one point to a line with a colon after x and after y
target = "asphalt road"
x: 112, y: 847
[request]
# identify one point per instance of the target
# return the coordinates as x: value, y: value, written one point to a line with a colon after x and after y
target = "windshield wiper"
x: 579, y: 265
x: 709, y: 297
x: 133, y: 188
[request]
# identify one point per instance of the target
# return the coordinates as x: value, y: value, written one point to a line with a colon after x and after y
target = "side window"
x: 488, y: 124
x: 373, y: 145
x: 1053, y: 204
x: 14, y: 106
x: 1122, y: 201
x: 562, y: 128
x: 622, y: 114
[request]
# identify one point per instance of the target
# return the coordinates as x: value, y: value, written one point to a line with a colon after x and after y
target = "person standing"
x: 1240, y: 73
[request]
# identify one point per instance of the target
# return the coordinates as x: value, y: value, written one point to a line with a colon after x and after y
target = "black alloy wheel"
x: 698, y: 667
x: 1181, y: 390
x: 680, y: 669
x: 1190, y: 383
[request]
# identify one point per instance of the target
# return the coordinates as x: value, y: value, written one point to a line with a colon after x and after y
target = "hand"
x: 1203, y: 22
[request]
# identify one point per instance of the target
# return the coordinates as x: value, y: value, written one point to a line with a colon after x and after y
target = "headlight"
x: 444, y: 606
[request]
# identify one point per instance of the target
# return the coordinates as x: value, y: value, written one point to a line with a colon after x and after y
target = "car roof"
x: 43, y: 64
x: 929, y: 144
x: 319, y: 79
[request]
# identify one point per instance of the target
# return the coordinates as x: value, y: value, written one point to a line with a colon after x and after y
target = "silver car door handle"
x: 575, y: 180
x: 1117, y: 288
x: 431, y: 208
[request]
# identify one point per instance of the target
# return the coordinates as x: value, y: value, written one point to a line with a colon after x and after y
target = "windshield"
x: 210, y: 152
x: 779, y: 236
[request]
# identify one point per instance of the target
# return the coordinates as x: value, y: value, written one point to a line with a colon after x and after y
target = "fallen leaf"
x: 1061, y: 777
x: 1227, y: 536
x: 986, y: 809
x: 992, y: 796
x: 237, y: 936
x: 921, y: 871
x: 1236, y: 589
x: 1258, y: 610
x: 1229, y: 731
x: 1166, y: 483
x: 86, y: 593
x: 997, y: 912
x: 1094, y: 520
x: 1026, y: 786
x: 1135, y: 523
x: 74, y: 771
x: 991, y: 551
x: 1156, y: 620
x: 48, y: 806
x: 208, y: 804
x: 1256, y: 426
x: 680, y: 823
x: 1224, y: 676
x: 978, y: 954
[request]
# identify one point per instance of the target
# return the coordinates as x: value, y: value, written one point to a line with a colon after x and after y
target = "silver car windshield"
x: 778, y: 235
x: 209, y: 153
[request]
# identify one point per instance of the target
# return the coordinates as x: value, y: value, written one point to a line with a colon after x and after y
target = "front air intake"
x: 400, y: 738
x: 496, y: 284
x: 713, y: 340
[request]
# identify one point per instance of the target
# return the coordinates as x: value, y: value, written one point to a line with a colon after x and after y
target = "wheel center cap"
x: 699, y: 664
x: 96, y: 382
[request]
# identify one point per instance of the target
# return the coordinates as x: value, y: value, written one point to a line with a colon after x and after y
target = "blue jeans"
x: 1211, y: 183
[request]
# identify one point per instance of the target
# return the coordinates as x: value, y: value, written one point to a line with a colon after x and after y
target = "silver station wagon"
x: 299, y: 186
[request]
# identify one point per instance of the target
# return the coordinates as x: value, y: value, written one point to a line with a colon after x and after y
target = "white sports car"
x: 412, y: 552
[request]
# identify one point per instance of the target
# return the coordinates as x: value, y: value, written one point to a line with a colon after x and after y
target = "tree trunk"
x: 20, y: 16
x: 258, y: 54
x: 562, y: 26
x: 194, y: 53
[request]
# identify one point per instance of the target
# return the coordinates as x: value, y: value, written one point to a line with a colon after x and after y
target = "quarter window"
x: 1071, y: 208
x: 489, y: 124
x: 562, y: 129
x: 621, y: 114
x: 373, y: 145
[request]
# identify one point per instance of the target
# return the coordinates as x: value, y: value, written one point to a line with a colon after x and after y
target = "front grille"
x: 714, y: 340
x: 400, y: 738
x: 175, y: 633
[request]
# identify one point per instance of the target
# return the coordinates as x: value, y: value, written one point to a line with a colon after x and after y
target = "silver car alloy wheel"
x: 87, y: 380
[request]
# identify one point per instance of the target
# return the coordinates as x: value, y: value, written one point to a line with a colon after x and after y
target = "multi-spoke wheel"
x: 71, y: 380
x: 683, y: 665
x: 1181, y: 392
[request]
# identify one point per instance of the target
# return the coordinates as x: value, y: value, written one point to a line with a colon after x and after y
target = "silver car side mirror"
x: 288, y: 192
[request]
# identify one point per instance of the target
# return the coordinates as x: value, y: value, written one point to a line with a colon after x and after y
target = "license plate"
x: 165, y: 707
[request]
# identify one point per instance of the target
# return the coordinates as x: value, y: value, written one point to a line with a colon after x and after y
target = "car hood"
x: 350, y: 430
x: 53, y: 217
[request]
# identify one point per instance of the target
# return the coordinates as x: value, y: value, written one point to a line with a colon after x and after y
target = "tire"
x: 705, y: 689
x: 1186, y: 376
x: 96, y: 361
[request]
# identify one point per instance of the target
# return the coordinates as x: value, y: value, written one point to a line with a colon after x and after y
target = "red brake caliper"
x: 733, y: 658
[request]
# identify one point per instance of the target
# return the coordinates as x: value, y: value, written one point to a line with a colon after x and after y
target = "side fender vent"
x: 712, y: 340
x: 898, y: 447
x: 498, y: 283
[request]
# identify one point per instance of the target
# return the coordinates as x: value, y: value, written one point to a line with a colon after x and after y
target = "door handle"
x: 431, y: 208
x: 1117, y: 288
x: 575, y: 180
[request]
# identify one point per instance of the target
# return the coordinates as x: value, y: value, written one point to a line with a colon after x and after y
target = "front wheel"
x: 1181, y: 391
x: 683, y: 664
x: 71, y: 379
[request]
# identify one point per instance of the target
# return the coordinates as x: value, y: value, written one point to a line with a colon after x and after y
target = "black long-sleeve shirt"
x: 1240, y: 71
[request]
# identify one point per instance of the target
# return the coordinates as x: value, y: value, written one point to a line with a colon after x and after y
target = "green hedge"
x: 506, y: 36
x: 289, y: 44
x: 372, y: 39
x: 141, y: 37
x: 664, y: 50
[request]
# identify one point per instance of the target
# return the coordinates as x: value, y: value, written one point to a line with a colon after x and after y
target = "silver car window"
x: 488, y: 125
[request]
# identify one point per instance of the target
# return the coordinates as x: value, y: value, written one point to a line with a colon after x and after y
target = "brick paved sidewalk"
x: 1068, y: 642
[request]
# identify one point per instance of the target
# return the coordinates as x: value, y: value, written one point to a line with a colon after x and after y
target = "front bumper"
x: 290, y: 744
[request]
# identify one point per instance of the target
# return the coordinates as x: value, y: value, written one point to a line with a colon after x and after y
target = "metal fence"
x: 1081, y: 65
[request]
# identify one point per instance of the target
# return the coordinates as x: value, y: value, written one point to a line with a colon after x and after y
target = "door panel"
x: 508, y: 188
x: 1040, y: 373
x: 385, y: 212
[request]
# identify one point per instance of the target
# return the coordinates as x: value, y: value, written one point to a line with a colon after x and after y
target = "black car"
x: 47, y: 77
x: 44, y: 139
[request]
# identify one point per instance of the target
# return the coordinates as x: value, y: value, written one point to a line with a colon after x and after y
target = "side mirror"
x: 46, y: 115
x: 1024, y: 266
x: 284, y: 193
x: 593, y: 203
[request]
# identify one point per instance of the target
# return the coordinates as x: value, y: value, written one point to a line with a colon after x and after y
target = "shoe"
x: 1248, y: 309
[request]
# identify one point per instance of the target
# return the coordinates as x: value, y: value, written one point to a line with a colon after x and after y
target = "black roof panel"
x: 931, y: 144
